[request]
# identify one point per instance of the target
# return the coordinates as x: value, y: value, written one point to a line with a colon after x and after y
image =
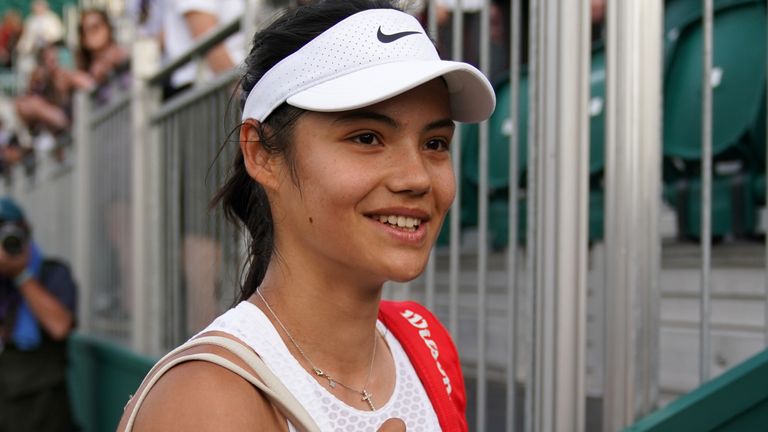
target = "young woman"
x: 343, y: 181
x: 99, y: 55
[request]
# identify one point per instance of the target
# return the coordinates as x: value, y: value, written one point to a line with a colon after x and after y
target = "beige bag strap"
x: 266, y: 381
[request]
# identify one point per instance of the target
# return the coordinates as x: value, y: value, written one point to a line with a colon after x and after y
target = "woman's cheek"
x: 445, y: 189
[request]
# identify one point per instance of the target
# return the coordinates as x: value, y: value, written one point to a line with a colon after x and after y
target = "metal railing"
x: 200, y: 248
x: 107, y: 142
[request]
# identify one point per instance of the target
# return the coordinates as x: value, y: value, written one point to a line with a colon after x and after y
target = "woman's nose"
x: 410, y: 173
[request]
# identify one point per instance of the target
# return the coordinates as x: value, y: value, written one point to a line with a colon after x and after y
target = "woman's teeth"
x: 403, y: 222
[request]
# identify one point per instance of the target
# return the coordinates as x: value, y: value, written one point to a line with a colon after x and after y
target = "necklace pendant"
x: 331, y: 383
x: 367, y: 397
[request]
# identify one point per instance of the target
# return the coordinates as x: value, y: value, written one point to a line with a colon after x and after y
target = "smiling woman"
x: 343, y: 180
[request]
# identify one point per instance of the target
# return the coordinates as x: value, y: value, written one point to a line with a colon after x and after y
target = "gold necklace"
x: 332, y: 382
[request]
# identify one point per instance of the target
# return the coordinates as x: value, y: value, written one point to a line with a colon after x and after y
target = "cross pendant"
x: 367, y: 397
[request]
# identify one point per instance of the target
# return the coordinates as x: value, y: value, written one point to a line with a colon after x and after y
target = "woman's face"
x: 372, y: 187
x: 95, y: 32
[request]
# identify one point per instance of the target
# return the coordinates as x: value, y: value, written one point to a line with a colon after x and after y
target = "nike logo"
x: 389, y: 38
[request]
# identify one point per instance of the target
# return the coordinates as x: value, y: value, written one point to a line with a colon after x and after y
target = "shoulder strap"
x: 434, y: 357
x: 265, y: 380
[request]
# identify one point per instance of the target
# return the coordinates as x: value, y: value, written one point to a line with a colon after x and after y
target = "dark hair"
x: 242, y: 198
x: 84, y: 56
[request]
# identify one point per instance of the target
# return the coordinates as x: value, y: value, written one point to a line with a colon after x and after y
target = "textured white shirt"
x: 408, y: 402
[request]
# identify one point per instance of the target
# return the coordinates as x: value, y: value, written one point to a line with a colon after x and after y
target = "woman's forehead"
x: 429, y: 101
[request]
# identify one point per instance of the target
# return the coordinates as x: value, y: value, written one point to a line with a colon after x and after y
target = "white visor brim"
x: 472, y: 98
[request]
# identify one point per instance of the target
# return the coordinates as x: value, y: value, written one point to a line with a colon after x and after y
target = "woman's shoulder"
x: 203, y: 396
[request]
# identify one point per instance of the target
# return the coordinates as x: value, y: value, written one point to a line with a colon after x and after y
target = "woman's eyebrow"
x: 367, y: 115
x: 439, y: 124
x: 389, y: 121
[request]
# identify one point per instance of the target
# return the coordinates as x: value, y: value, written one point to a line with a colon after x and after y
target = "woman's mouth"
x: 404, y: 223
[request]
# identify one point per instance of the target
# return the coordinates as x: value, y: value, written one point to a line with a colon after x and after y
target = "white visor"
x: 365, y: 59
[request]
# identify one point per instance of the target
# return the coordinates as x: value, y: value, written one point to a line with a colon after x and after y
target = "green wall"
x: 102, y: 376
x: 735, y: 401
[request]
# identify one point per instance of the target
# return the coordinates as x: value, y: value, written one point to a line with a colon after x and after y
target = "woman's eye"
x: 367, y: 138
x: 437, y: 145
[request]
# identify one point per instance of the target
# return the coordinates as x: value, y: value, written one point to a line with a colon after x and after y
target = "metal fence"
x: 200, y: 248
x: 107, y: 142
x: 562, y: 322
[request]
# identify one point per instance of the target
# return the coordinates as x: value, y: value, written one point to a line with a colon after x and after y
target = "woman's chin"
x: 403, y: 274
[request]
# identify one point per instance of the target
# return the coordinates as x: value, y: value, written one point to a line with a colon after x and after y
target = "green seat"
x: 596, y: 228
x: 739, y: 69
x: 757, y: 149
x: 734, y: 210
x: 500, y: 127
x: 758, y: 189
x: 679, y: 14
x: 757, y: 137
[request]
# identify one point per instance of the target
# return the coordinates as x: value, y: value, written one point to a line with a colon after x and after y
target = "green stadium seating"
x: 738, y: 129
x: 739, y: 69
x: 758, y: 189
x: 500, y: 128
x: 738, y: 114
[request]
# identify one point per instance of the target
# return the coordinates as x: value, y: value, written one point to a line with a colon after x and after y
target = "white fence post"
x: 83, y: 211
x: 558, y: 175
x: 146, y: 330
x: 633, y: 148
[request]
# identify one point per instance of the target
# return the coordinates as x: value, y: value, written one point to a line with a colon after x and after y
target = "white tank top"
x: 408, y: 402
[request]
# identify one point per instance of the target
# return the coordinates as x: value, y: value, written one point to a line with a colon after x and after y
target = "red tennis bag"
x: 434, y: 357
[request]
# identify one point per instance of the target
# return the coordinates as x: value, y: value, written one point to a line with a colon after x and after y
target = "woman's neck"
x: 333, y: 319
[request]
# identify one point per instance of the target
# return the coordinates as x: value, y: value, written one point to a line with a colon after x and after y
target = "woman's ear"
x: 259, y: 162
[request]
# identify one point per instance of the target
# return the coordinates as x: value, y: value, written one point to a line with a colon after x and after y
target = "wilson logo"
x: 420, y: 323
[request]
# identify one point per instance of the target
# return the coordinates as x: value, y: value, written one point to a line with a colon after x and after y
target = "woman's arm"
x: 200, y: 23
x: 103, y: 66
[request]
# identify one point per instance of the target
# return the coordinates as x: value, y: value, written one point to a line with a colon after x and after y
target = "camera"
x: 13, y: 238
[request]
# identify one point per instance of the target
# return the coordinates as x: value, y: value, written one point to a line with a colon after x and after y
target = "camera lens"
x: 13, y: 245
x: 12, y: 239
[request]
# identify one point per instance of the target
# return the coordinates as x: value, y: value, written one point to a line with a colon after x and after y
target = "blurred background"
x: 603, y: 267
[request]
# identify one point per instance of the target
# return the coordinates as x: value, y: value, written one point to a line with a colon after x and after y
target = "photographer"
x: 37, y: 314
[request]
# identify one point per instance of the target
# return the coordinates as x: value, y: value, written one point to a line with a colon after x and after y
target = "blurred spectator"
x: 598, y: 11
x: 10, y: 32
x: 146, y: 14
x: 48, y: 102
x: 41, y: 28
x: 8, y: 157
x: 598, y: 19
x: 37, y: 314
x: 99, y: 55
x: 185, y: 21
